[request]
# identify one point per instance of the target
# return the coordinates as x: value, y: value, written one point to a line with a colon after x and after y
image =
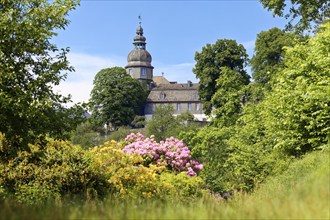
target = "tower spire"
x: 139, y: 59
x: 139, y: 40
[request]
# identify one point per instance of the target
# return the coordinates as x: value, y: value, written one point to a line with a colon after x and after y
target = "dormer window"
x: 162, y: 96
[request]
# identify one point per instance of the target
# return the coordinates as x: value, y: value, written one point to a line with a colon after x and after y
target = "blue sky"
x: 101, y: 33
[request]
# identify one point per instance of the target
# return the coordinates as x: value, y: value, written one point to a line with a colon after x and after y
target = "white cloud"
x: 86, y: 66
x: 80, y: 90
x: 80, y: 83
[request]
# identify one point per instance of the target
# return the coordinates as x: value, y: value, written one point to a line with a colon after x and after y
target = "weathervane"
x: 140, y: 19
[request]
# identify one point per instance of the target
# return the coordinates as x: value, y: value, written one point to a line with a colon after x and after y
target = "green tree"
x: 308, y: 12
x: 116, y: 97
x: 163, y: 123
x: 139, y: 121
x: 268, y: 53
x: 297, y: 113
x: 209, y: 63
x: 227, y: 101
x: 30, y: 65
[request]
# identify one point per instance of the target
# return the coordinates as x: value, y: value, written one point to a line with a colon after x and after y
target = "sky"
x: 101, y: 32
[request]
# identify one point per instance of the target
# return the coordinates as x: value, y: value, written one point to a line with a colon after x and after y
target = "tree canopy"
x: 298, y: 109
x: 116, y: 97
x: 30, y: 65
x: 209, y: 67
x: 309, y: 13
x: 227, y: 99
x: 164, y: 124
x: 269, y: 53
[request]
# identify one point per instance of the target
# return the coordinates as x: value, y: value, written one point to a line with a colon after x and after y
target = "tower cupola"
x: 139, y: 59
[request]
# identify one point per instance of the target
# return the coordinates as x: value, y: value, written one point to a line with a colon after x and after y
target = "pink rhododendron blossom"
x: 171, y: 152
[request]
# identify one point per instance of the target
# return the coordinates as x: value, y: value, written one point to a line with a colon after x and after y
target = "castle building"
x: 182, y: 96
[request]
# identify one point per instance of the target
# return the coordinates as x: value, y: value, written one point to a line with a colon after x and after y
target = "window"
x: 131, y: 71
x: 197, y: 107
x: 162, y: 96
x: 178, y: 106
x: 143, y: 71
x: 189, y: 106
x: 153, y: 107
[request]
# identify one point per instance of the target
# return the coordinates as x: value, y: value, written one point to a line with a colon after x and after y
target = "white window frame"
x: 189, y: 106
x: 197, y: 106
x: 178, y: 107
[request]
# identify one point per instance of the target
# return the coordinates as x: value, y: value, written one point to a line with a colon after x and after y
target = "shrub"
x: 59, y: 169
x: 130, y: 177
x: 172, y: 153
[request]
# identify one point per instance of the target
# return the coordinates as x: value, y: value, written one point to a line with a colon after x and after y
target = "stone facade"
x: 182, y: 96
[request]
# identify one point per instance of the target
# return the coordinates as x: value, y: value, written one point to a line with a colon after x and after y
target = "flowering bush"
x: 127, y: 177
x: 172, y: 153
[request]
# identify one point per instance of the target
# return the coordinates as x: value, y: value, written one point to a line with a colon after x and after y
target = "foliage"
x: 164, y: 124
x: 129, y: 175
x: 30, y: 65
x: 120, y: 134
x: 139, y: 121
x: 297, y: 113
x: 227, y: 99
x: 209, y: 67
x: 292, y: 119
x: 65, y: 171
x: 116, y: 97
x: 171, y: 153
x: 209, y: 145
x: 85, y: 136
x: 269, y: 53
x: 300, y: 193
x: 309, y: 13
x: 61, y: 169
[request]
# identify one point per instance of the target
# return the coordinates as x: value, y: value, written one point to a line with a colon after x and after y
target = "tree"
x: 139, y: 121
x: 30, y: 65
x: 209, y: 63
x: 163, y: 123
x: 297, y: 112
x: 227, y: 99
x: 268, y: 53
x: 116, y: 97
x: 308, y: 12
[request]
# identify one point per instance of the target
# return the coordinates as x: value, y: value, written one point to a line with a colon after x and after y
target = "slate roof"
x: 160, y: 80
x: 181, y: 92
x: 178, y: 86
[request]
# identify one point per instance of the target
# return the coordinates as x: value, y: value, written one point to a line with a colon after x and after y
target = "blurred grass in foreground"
x: 302, y: 192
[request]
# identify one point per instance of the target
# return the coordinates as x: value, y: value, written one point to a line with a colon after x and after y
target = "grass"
x: 302, y: 192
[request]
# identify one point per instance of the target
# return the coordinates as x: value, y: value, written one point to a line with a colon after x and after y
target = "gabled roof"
x: 160, y: 80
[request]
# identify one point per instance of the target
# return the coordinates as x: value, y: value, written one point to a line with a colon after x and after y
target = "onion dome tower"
x: 139, y: 59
